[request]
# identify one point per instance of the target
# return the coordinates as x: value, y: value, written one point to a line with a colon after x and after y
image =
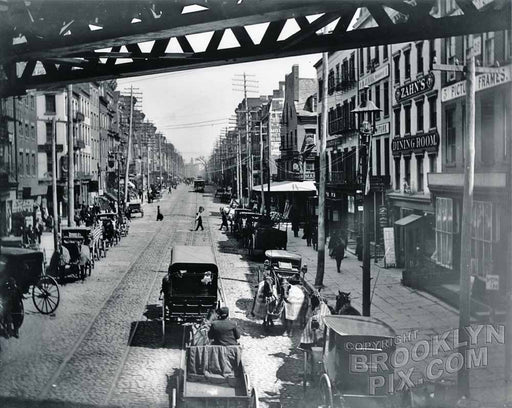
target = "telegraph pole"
x: 71, y: 160
x: 268, y: 162
x: 319, y: 279
x: 54, y: 188
x: 248, y: 138
x: 126, y: 174
x: 160, y: 156
x: 467, y: 211
x: 261, y: 167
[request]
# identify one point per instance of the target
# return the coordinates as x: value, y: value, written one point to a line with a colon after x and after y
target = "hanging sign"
x: 483, y: 81
x: 376, y: 76
x: 389, y: 247
x: 412, y: 89
x: 492, y: 282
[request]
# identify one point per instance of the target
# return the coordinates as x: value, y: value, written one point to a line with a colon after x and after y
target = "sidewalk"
x: 408, y: 311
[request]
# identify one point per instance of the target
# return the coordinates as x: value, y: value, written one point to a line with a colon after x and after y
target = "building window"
x: 407, y: 170
x: 451, y: 55
x: 397, y: 173
x: 361, y: 61
x: 489, y: 51
x: 431, y: 53
x: 49, y: 167
x: 50, y: 104
x: 386, y: 99
x: 407, y: 57
x: 377, y: 153
x: 432, y: 163
x: 386, y: 156
x: 368, y: 59
x: 338, y: 75
x: 419, y: 116
x: 397, y: 122
x: 396, y: 65
x: 487, y: 131
x: 27, y: 164
x: 481, y: 239
x: 377, y: 56
x: 377, y: 101
x: 419, y: 172
x: 432, y: 102
x: 450, y: 138
x: 419, y: 51
x: 446, y: 227
x: 21, y: 166
x: 33, y: 164
x: 385, y: 52
x: 407, y: 111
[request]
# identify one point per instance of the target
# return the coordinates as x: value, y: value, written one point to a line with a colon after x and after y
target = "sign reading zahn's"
x: 410, y: 90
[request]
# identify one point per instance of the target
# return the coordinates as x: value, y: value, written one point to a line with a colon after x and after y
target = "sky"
x: 191, y: 107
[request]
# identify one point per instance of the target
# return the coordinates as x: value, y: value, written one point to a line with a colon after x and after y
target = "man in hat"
x: 224, y: 332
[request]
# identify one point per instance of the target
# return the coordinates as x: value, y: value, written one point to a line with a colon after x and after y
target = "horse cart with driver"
x: 350, y: 367
x: 281, y: 292
x: 135, y: 207
x: 213, y: 376
x: 22, y: 271
x: 111, y: 233
x: 74, y: 255
x: 189, y: 291
x: 268, y: 234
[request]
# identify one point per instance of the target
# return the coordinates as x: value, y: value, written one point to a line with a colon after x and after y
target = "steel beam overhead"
x: 48, y: 43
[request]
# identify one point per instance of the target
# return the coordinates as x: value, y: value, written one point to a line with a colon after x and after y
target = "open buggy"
x: 22, y: 271
x: 340, y: 382
x: 189, y: 291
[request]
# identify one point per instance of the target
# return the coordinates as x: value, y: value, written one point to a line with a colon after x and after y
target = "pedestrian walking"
x: 314, y: 236
x: 224, y: 221
x: 339, y: 253
x: 295, y: 225
x: 159, y: 216
x: 307, y: 233
x: 199, y: 219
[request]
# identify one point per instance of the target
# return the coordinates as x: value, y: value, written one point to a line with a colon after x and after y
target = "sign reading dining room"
x: 412, y: 89
x: 419, y: 143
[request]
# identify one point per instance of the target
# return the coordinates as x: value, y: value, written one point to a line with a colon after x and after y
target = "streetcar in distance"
x: 199, y: 185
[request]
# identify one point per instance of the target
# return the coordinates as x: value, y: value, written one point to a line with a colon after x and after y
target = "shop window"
x: 446, y: 228
x: 386, y: 98
x: 407, y: 111
x: 419, y: 172
x: 450, y: 146
x: 419, y: 116
x: 482, y: 239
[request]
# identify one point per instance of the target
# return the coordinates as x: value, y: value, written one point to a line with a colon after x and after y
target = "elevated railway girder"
x: 49, y: 43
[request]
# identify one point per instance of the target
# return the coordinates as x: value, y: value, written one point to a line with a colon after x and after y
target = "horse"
x: 343, y: 306
x: 265, y: 301
x: 295, y: 305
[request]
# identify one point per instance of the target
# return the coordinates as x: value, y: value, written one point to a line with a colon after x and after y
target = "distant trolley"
x: 199, y: 185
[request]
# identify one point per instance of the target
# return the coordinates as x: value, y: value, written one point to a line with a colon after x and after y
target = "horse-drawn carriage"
x: 243, y: 227
x: 135, y: 207
x: 281, y: 293
x: 21, y: 270
x: 189, y: 291
x: 337, y: 370
x: 111, y: 233
x: 268, y: 234
x: 75, y: 254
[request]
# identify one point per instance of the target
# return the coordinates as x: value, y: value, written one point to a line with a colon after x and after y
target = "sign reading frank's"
x: 424, y: 84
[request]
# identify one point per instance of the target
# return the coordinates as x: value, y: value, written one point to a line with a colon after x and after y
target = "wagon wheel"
x: 46, y: 295
x: 254, y: 401
x: 326, y: 391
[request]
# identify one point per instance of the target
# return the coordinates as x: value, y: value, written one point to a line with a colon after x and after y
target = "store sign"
x: 379, y: 183
x: 381, y: 129
x: 376, y: 76
x: 483, y: 81
x: 418, y: 143
x: 422, y: 85
x: 19, y: 206
x: 492, y: 282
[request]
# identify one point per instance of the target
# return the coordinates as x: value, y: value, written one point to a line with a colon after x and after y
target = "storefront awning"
x: 406, y: 221
x: 288, y: 186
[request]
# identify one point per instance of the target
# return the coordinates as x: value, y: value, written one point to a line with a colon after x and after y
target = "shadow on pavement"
x: 12, y: 402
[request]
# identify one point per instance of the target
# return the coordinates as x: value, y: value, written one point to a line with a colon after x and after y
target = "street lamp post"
x: 367, y: 111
